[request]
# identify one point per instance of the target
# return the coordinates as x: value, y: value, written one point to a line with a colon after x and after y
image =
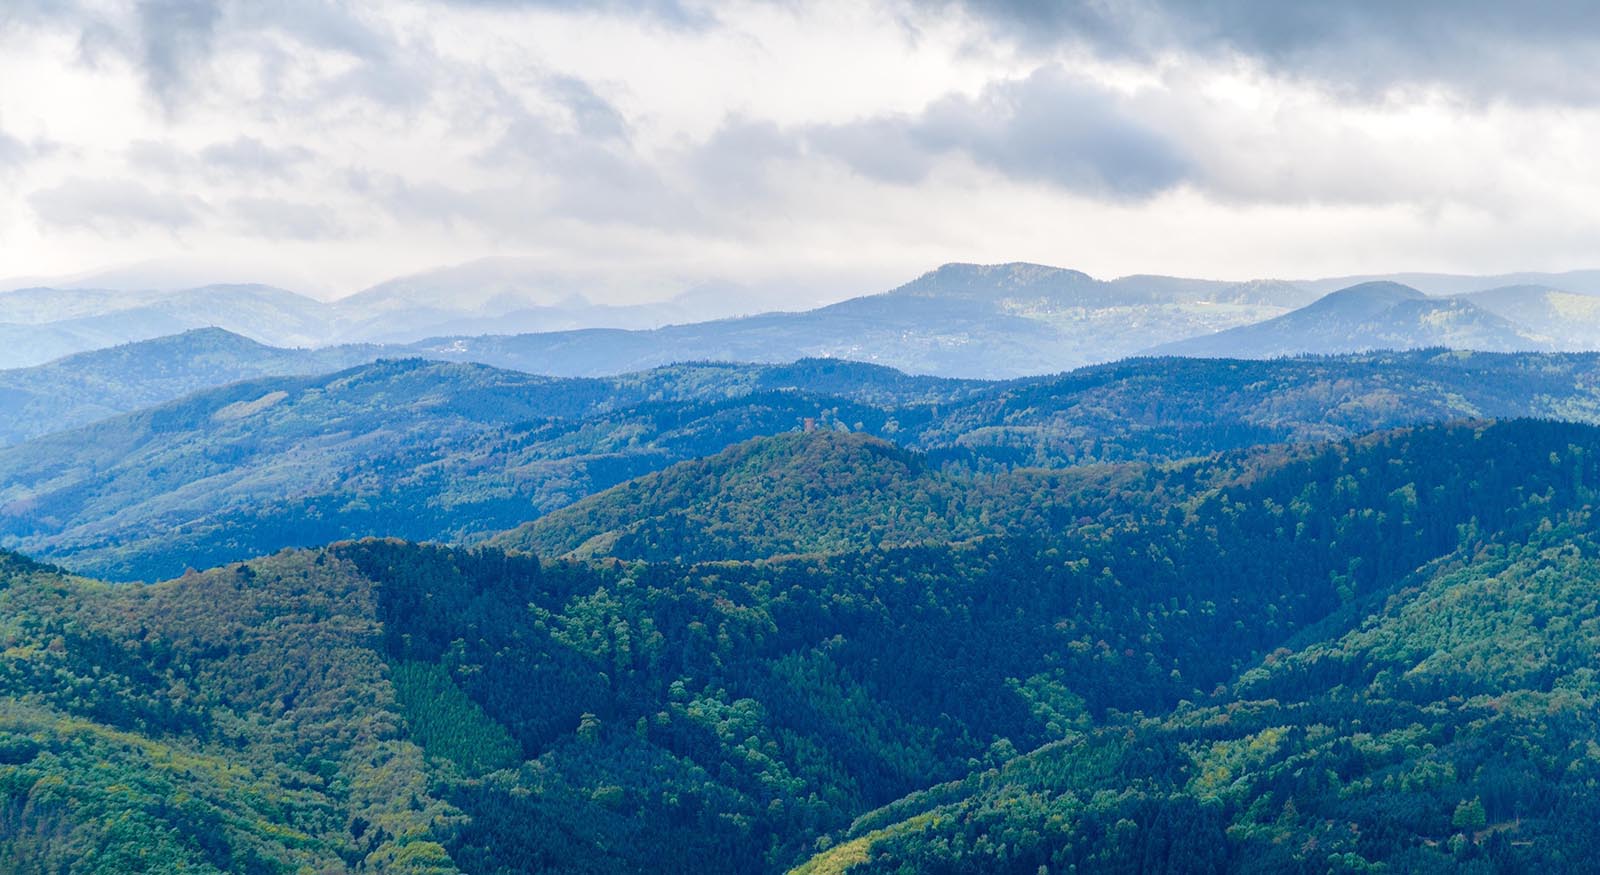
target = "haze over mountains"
x: 1001, y: 321
x: 1375, y: 315
x: 87, y: 386
x: 987, y: 321
x: 40, y: 323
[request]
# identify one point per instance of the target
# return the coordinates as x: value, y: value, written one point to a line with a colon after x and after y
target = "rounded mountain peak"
x: 992, y: 281
x: 1372, y: 297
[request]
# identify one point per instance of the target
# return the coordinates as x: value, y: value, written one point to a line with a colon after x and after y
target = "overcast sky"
x: 833, y: 148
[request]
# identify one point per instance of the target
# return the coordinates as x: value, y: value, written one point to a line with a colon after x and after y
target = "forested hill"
x: 1163, y: 408
x: 1450, y: 730
x: 79, y: 389
x: 793, y: 493
x: 451, y: 452
x: 1325, y: 658
x: 422, y: 450
x: 836, y: 493
x: 833, y: 492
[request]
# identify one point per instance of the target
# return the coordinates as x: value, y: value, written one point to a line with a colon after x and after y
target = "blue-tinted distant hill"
x: 1563, y: 319
x: 1010, y: 320
x: 1586, y: 282
x: 425, y: 450
x: 967, y: 320
x: 38, y: 325
x: 1369, y: 316
x: 961, y: 320
x: 88, y: 386
x: 454, y: 452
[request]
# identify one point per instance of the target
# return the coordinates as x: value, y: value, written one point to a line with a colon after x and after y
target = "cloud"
x: 319, y: 24
x: 573, y: 159
x: 248, y: 156
x: 18, y: 155
x: 592, y: 115
x: 671, y: 12
x: 20, y: 12
x: 175, y: 35
x: 114, y: 205
x: 768, y: 135
x: 157, y: 156
x: 888, y: 149
x: 245, y: 160
x: 277, y: 219
x: 1264, y: 142
x: 173, y: 43
x: 1049, y: 127
x: 499, y: 209
x: 12, y: 150
x: 1541, y: 50
x: 737, y: 162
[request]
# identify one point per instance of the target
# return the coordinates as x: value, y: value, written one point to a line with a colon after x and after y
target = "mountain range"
x: 1375, y: 315
x: 450, y: 451
x: 984, y: 321
x: 1003, y: 321
x: 991, y: 321
x: 419, y: 609
x: 41, y: 323
x: 88, y: 386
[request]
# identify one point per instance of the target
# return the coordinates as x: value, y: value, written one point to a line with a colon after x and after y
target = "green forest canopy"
x: 1373, y: 653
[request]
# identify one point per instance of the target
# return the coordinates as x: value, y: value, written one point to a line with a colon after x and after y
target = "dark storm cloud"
x: 1480, y: 49
x: 1047, y: 128
x: 114, y: 205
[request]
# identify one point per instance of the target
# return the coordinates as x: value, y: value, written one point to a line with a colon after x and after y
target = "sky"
x: 818, y: 149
